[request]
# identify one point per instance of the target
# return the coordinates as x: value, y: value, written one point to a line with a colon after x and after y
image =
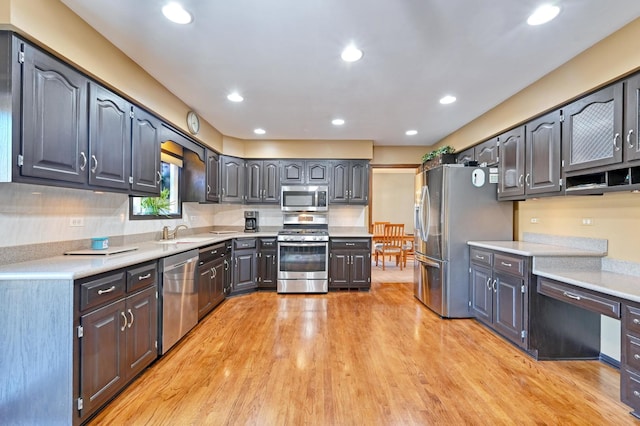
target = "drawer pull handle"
x: 109, y: 290
x: 479, y: 257
x: 572, y: 296
x: 636, y: 321
x: 144, y: 277
x: 506, y: 264
x: 636, y: 393
x: 636, y: 356
x: 349, y: 244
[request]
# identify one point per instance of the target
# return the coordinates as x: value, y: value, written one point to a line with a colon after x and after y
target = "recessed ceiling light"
x: 351, y: 54
x: 411, y: 132
x: 259, y: 131
x: 235, y: 97
x: 337, y: 121
x: 448, y: 100
x: 176, y: 13
x: 543, y: 14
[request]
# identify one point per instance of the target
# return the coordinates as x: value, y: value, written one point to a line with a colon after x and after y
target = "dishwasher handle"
x: 168, y: 268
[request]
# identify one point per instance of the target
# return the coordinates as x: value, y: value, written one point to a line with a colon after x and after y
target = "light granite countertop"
x: 524, y: 248
x: 71, y: 267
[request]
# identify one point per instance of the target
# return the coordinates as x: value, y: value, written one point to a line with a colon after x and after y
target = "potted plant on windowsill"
x: 156, y: 206
x: 443, y: 155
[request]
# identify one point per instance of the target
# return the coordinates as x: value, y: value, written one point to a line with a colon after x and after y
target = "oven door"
x: 303, y: 260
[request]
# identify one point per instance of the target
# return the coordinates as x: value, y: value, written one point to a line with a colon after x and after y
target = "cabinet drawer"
x: 631, y: 350
x: 481, y: 257
x: 102, y: 290
x: 141, y: 277
x: 244, y: 243
x: 631, y: 320
x: 511, y: 265
x: 212, y: 252
x: 268, y: 243
x: 364, y: 244
x: 630, y: 388
x: 579, y: 297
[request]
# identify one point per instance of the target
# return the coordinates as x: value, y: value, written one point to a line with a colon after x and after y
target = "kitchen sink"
x: 186, y: 240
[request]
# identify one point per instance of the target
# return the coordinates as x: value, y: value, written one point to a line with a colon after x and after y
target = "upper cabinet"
x: 145, y: 151
x: 466, y: 155
x: 292, y: 172
x: 263, y: 181
x: 309, y: 172
x: 487, y: 152
x: 349, y: 182
x: 54, y: 141
x: 232, y: 175
x: 213, y: 177
x: 632, y: 120
x: 530, y: 159
x: 592, y: 130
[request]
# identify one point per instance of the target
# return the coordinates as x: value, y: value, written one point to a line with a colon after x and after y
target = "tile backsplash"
x: 34, y: 214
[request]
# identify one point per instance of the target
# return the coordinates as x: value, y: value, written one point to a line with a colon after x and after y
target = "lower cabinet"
x: 244, y: 264
x: 117, y: 333
x: 630, y: 357
x: 212, y: 264
x: 350, y: 263
x: 267, y: 264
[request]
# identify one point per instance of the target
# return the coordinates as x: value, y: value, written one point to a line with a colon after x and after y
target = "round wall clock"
x: 193, y: 122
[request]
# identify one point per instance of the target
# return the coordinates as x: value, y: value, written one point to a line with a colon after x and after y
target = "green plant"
x: 156, y: 205
x: 437, y: 152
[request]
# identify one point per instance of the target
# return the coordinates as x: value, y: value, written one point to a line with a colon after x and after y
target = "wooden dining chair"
x: 378, y: 231
x: 391, y: 244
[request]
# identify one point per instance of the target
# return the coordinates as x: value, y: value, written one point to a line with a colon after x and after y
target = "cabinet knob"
x: 636, y: 394
x: 636, y: 321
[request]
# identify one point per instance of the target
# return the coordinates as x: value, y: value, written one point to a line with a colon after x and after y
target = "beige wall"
x: 393, y: 196
x: 356, y: 149
x: 398, y: 154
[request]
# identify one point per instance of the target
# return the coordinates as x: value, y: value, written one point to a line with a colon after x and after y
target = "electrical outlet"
x: 535, y: 220
x: 76, y: 221
x: 587, y: 221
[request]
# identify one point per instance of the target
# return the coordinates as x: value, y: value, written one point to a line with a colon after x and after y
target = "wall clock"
x: 193, y: 122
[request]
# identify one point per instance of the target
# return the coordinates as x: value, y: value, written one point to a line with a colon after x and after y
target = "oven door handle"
x: 287, y: 244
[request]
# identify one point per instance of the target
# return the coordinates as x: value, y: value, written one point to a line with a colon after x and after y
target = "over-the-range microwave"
x: 305, y: 198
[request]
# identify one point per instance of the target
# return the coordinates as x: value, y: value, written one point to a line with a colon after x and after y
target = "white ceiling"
x: 283, y: 56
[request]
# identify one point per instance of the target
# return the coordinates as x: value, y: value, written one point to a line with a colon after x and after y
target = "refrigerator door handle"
x: 425, y: 203
x: 426, y: 261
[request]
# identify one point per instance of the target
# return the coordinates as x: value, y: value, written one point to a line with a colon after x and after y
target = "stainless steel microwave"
x: 305, y: 198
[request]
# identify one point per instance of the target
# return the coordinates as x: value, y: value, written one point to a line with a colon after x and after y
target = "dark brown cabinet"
x: 592, y: 133
x: 292, y: 172
x: 54, y: 143
x: 511, y: 166
x: 213, y: 177
x: 465, y: 156
x: 632, y: 120
x: 267, y: 264
x: 117, y: 332
x: 487, y: 152
x: 350, y: 263
x: 311, y: 172
x: 232, y: 176
x: 349, y: 183
x: 211, y: 277
x: 244, y: 264
x: 630, y: 356
x: 317, y: 172
x: 145, y: 152
x: 263, y: 181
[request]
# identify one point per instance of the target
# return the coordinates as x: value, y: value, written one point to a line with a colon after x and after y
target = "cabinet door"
x: 466, y: 156
x: 292, y: 171
x: 508, y: 307
x: 592, y: 130
x: 213, y: 180
x: 244, y: 270
x: 54, y: 119
x: 205, y: 288
x: 339, y: 183
x: 254, y: 181
x: 271, y: 181
x: 232, y: 170
x: 542, y: 141
x: 218, y: 287
x: 145, y: 153
x: 109, y: 139
x: 339, y: 268
x: 359, y: 182
x: 267, y: 269
x: 142, y: 330
x: 102, y: 366
x: 632, y: 122
x: 317, y: 172
x: 487, y: 152
x: 481, y: 293
x: 511, y: 166
x: 360, y: 273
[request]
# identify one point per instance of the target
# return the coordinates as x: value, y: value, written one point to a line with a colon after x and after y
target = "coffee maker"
x: 251, y: 221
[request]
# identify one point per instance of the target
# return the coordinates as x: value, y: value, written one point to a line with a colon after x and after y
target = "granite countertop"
x: 71, y: 267
x: 524, y: 248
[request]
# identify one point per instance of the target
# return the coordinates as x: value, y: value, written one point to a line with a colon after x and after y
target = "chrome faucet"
x: 167, y: 235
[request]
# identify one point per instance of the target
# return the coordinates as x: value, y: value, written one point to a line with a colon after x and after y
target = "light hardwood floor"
x: 367, y: 358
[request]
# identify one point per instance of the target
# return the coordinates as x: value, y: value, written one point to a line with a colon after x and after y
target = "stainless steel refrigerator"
x: 454, y: 204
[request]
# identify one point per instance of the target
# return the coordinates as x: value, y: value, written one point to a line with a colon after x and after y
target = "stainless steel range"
x: 303, y: 254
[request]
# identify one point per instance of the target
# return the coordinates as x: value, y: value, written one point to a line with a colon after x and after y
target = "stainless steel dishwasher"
x: 179, y: 297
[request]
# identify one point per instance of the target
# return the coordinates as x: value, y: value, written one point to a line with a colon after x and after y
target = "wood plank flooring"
x: 368, y: 358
